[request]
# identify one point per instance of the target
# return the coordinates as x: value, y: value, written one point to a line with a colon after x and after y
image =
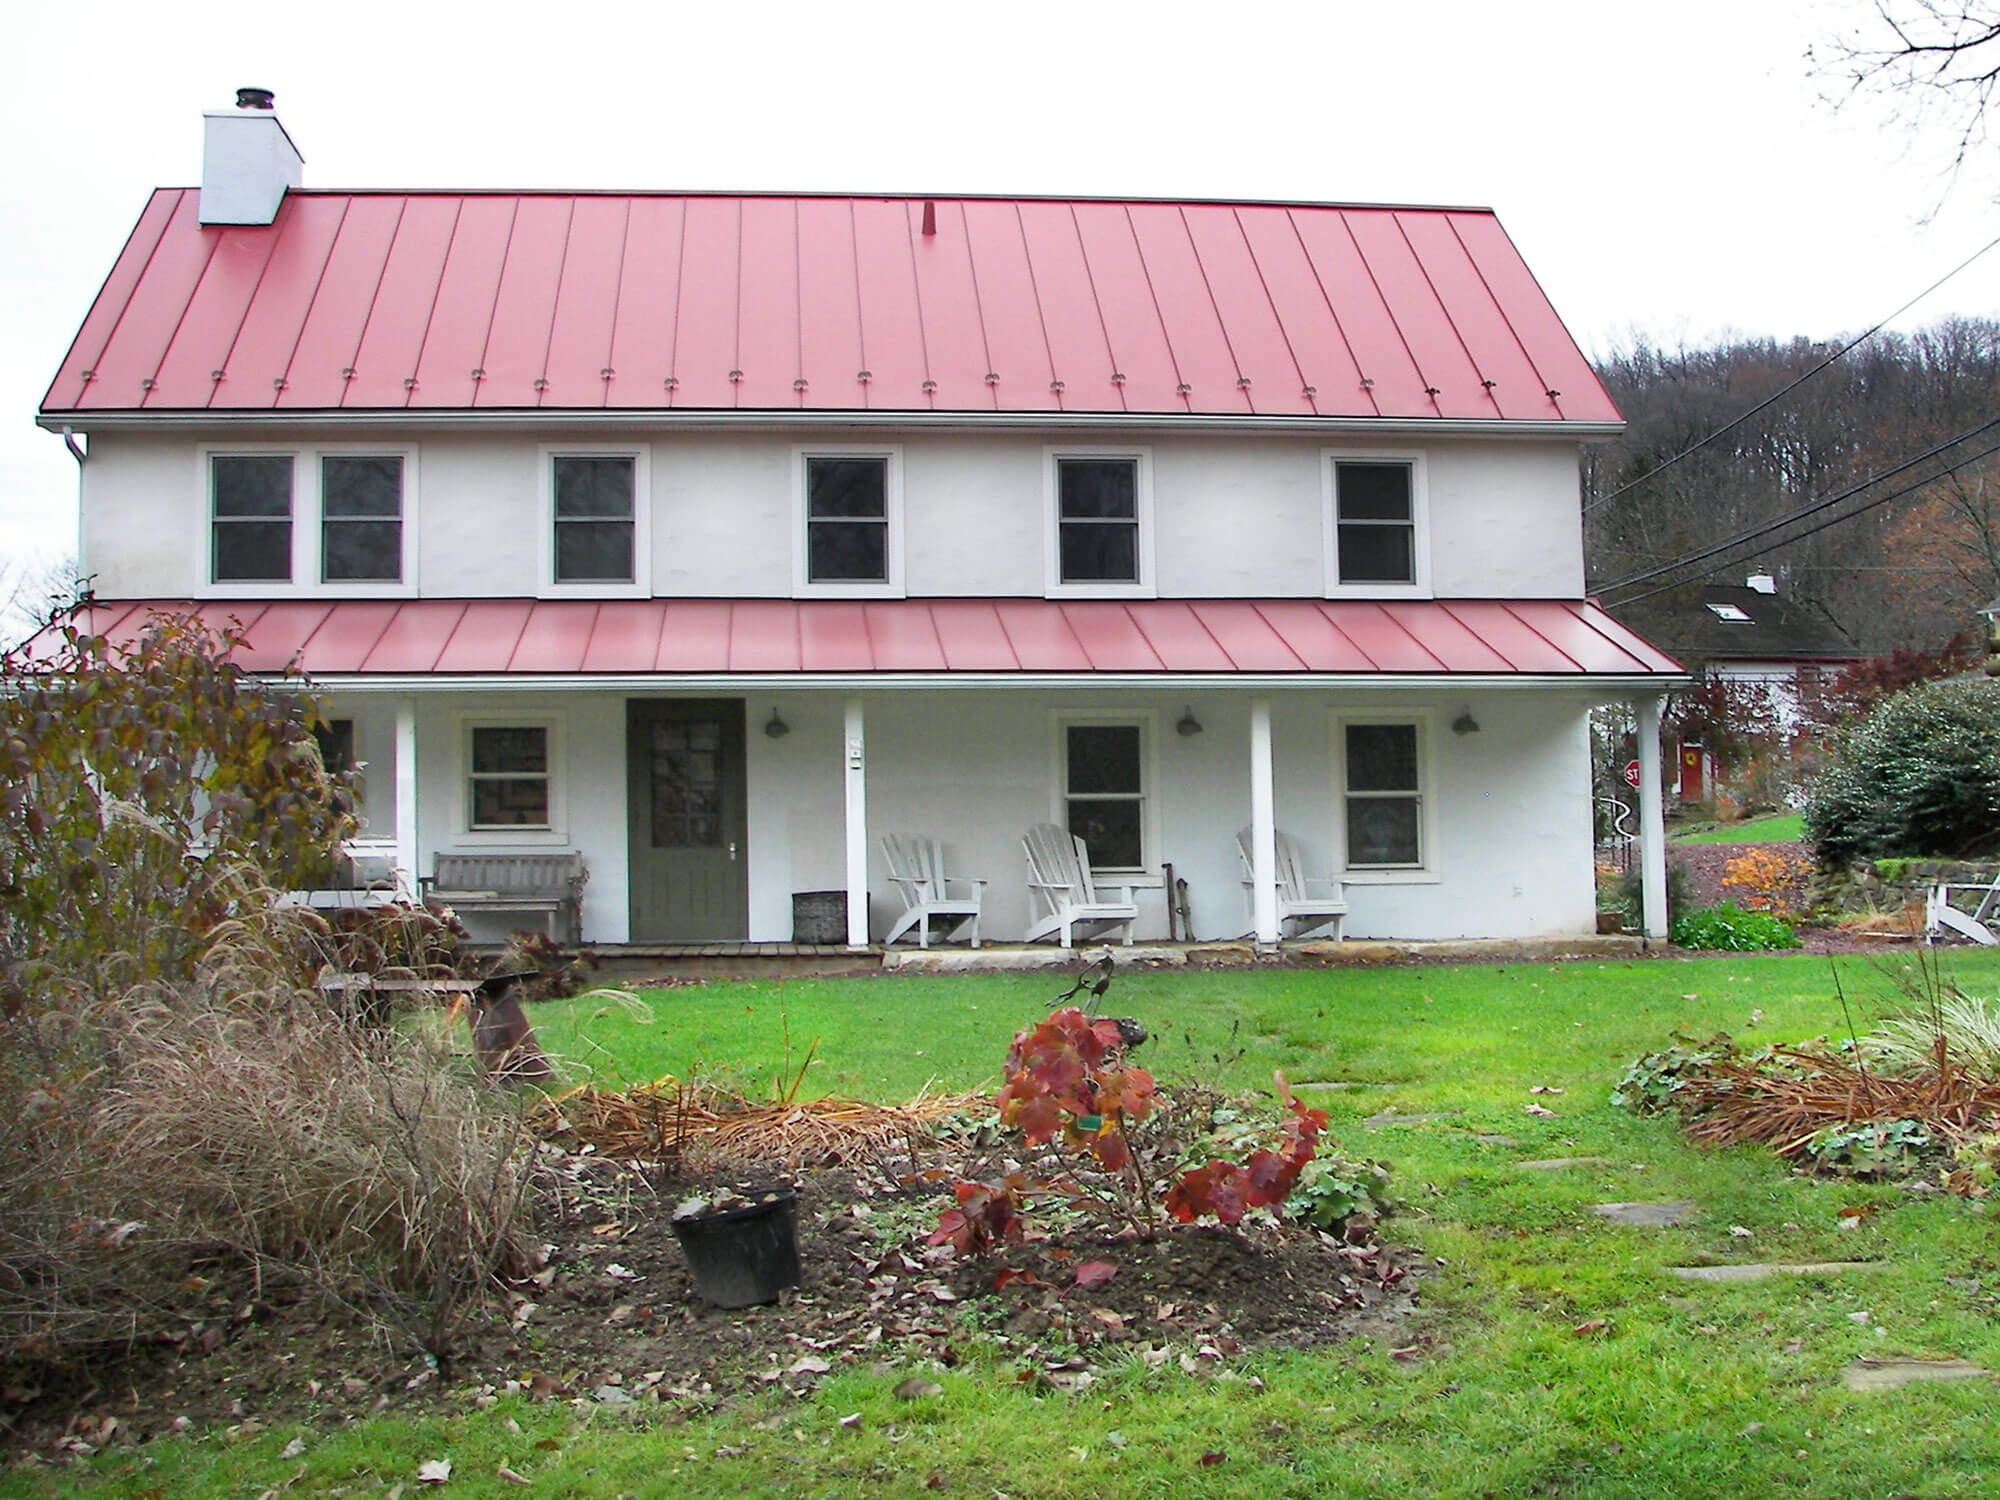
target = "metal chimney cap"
x: 256, y: 99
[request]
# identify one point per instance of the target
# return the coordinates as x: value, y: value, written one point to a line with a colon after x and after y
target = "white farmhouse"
x: 711, y: 537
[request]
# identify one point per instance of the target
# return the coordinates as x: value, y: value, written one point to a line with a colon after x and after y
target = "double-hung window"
x: 596, y: 507
x: 1375, y: 528
x: 332, y: 519
x: 1104, y: 792
x: 508, y: 777
x: 848, y: 522
x: 1100, y: 512
x: 1384, y: 795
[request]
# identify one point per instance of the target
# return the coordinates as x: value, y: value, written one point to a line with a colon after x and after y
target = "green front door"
x: 686, y: 818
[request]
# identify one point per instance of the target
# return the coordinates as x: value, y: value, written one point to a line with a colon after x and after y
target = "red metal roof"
x: 460, y: 301
x: 947, y: 637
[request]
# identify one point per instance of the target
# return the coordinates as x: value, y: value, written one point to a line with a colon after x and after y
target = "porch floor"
x: 634, y: 963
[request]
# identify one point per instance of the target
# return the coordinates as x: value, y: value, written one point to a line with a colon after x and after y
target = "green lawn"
x: 1687, y: 1390
x: 1778, y: 828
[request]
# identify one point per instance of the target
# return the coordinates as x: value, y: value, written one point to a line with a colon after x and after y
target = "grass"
x: 1776, y: 828
x: 1688, y: 1390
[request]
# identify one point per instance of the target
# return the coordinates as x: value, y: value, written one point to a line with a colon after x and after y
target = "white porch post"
x: 406, y: 796
x: 1652, y: 822
x: 1263, y: 825
x: 855, y: 749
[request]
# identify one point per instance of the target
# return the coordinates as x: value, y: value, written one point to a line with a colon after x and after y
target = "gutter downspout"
x: 77, y: 452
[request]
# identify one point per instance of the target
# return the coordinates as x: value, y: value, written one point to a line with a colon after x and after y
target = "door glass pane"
x: 1382, y: 757
x: 1103, y: 758
x: 686, y: 784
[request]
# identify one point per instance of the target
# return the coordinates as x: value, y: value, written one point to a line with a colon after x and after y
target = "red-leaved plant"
x: 1070, y: 1088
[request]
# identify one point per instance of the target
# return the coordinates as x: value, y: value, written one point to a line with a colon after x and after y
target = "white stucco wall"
x: 1509, y: 804
x: 1233, y: 514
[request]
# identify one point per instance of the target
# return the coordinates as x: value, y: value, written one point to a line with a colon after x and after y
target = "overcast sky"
x: 1672, y: 170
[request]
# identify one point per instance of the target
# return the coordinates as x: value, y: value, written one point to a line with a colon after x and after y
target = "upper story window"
x: 1100, y: 520
x: 325, y: 520
x: 849, y: 522
x: 596, y: 521
x: 1376, y: 540
x: 251, y: 499
x: 361, y: 518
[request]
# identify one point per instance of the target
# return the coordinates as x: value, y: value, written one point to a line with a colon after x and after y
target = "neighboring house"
x: 713, y: 536
x: 1777, y: 651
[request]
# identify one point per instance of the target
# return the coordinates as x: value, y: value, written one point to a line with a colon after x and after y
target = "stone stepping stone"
x: 1890, y: 1374
x: 1504, y: 1142
x: 1564, y: 1163
x: 1764, y: 1272
x: 1645, y: 1215
x: 1382, y: 1121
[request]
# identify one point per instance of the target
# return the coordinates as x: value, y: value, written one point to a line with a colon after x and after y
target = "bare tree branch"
x: 1936, y: 61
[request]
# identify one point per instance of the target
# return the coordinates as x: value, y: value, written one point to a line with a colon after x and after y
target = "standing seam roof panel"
x: 1419, y: 316
x: 1480, y: 322
x: 902, y: 639
x: 890, y: 325
x: 1072, y: 321
x: 1177, y: 636
x: 1187, y: 312
x: 331, y: 335
x: 642, y: 339
x: 200, y: 347
x: 767, y: 337
x: 625, y: 636
x: 153, y: 315
x: 415, y: 639
x: 972, y: 637
x: 706, y: 341
x: 1382, y: 638
x: 954, y: 340
x: 1317, y: 342
x: 1247, y: 637
x: 517, y: 348
x: 695, y: 636
x: 99, y: 324
x: 834, y: 638
x: 579, y: 349
x: 393, y: 339
x: 1508, y: 631
x: 829, y: 306
x: 1392, y: 380
x: 272, y: 323
x: 1589, y: 648
x: 1534, y: 321
x: 455, y: 342
x: 1277, y: 386
x: 764, y: 636
x: 485, y: 637
x: 1132, y: 324
x: 1013, y: 318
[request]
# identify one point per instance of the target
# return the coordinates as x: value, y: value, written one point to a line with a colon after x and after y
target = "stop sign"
x: 1631, y: 773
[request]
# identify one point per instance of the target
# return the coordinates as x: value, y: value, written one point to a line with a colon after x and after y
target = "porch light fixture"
x: 776, y: 728
x: 1465, y: 723
x: 1189, y: 725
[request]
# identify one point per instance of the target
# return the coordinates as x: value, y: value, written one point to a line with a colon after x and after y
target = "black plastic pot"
x: 741, y: 1257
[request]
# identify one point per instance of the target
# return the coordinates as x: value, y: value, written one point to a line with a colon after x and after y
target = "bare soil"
x: 613, y: 1319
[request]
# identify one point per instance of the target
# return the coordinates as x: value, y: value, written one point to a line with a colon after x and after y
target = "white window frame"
x: 1420, y: 538
x: 1146, y: 721
x: 890, y: 587
x: 641, y: 584
x: 1147, y: 586
x: 557, y: 830
x: 1427, y: 871
x: 308, y: 524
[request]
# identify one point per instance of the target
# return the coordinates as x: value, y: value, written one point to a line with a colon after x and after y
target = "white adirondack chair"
x: 1320, y: 904
x: 1062, y: 894
x: 1940, y: 915
x: 917, y: 869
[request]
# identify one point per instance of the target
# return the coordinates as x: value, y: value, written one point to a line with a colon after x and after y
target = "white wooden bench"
x: 551, y: 884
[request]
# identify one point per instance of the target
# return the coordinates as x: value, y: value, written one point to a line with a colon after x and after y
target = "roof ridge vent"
x: 247, y: 161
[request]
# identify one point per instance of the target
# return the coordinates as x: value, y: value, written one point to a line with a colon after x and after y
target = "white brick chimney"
x: 247, y: 161
x: 1762, y: 583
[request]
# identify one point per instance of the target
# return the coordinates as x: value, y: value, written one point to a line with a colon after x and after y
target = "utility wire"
x: 1859, y: 510
x: 1766, y: 528
x: 1770, y: 401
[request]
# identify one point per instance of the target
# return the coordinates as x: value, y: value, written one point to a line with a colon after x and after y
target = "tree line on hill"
x: 1909, y: 559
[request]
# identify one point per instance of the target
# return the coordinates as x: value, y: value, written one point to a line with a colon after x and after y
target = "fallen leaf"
x: 434, y: 1471
x: 620, y: 1273
x: 1210, y: 1460
x: 294, y: 1448
x: 916, y: 1388
x: 852, y: 1421
x: 1594, y: 1325
x: 1095, y: 1273
x: 1538, y: 1112
x: 511, y: 1477
x: 809, y: 1364
x: 1740, y: 1232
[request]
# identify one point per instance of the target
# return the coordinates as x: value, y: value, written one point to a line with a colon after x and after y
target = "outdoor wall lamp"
x: 1465, y: 723
x: 1189, y: 725
x: 777, y: 728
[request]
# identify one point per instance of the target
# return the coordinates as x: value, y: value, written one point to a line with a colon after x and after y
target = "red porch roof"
x: 944, y: 637
x: 437, y: 302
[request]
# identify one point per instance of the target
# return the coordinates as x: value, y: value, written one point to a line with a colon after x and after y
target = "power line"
x: 1766, y: 528
x: 1770, y: 401
x: 1859, y: 510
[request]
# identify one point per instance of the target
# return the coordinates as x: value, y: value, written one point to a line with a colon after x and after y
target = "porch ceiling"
x: 943, y: 639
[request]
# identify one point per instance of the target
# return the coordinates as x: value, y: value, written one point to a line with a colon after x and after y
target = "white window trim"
x: 1430, y: 871
x: 557, y: 832
x: 307, y: 523
x: 1420, y: 512
x: 892, y: 510
x: 1143, y: 875
x: 1148, y: 585
x: 641, y: 585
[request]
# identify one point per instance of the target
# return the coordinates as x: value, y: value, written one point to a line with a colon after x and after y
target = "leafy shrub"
x: 1648, y: 1086
x: 1875, y: 1148
x: 1732, y: 929
x: 1920, y: 775
x: 1333, y: 1189
x: 1770, y: 882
